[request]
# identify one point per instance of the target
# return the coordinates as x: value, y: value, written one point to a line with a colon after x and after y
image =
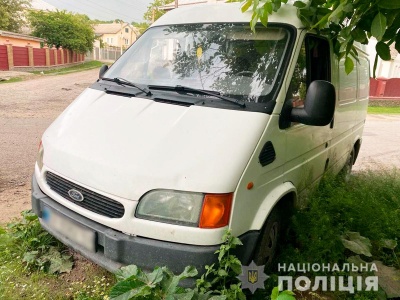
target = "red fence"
x: 384, y: 88
x: 3, y: 58
x: 21, y: 56
x: 28, y: 57
x: 39, y: 57
x: 52, y: 57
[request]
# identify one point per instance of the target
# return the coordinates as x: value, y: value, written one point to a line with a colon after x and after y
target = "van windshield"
x: 226, y: 58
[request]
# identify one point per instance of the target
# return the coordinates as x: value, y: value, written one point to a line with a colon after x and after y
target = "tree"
x: 345, y: 21
x: 153, y: 12
x: 141, y: 26
x: 60, y: 28
x: 11, y: 16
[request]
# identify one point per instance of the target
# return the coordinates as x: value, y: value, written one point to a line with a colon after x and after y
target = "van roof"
x: 224, y: 13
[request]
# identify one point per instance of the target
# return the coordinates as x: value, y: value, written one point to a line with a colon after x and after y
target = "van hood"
x: 129, y: 146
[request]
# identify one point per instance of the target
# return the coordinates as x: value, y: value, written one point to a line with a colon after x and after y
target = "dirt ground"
x: 28, y: 107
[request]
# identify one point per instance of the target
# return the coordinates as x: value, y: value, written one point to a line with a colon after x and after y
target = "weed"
x: 76, y: 68
x: 384, y: 109
x: 11, y: 80
x: 218, y: 283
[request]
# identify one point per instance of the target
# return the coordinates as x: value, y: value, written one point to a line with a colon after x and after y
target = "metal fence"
x: 104, y: 54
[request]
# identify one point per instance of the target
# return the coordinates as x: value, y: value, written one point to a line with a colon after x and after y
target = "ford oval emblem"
x: 75, y: 195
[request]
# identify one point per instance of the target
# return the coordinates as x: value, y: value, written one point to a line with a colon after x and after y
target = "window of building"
x: 126, y: 30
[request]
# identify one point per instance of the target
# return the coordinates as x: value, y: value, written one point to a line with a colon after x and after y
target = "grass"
x: 76, y: 68
x: 12, y: 79
x: 369, y: 204
x: 384, y: 110
x: 22, y: 280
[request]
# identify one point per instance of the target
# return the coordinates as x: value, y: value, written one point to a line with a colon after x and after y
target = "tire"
x: 345, y: 172
x: 269, y: 240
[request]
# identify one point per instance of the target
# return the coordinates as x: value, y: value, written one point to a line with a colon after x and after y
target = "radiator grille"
x: 92, y: 201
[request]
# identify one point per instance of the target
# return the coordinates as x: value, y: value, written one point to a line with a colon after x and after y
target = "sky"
x: 127, y: 10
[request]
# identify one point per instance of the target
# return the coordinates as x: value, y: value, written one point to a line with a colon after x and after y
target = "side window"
x: 347, y: 84
x: 363, y: 78
x: 312, y: 64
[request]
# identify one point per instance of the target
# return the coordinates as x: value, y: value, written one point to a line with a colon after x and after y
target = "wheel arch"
x: 357, y: 146
x: 282, y: 197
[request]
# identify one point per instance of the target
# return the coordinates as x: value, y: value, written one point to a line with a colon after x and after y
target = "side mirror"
x: 319, y: 105
x: 103, y: 69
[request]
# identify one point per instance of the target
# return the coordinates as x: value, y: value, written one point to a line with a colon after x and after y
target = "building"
x: 385, y: 69
x: 19, y: 39
x: 120, y: 35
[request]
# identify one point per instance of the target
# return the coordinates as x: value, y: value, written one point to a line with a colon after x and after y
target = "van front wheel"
x: 268, y: 243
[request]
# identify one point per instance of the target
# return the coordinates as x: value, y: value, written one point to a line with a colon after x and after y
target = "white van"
x: 201, y: 125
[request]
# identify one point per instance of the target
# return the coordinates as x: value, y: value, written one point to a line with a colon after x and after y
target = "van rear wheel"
x: 268, y: 243
x: 345, y: 173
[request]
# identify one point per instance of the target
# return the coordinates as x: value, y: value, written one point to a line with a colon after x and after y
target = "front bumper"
x: 115, y: 249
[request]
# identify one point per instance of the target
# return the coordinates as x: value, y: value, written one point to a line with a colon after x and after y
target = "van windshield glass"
x: 226, y: 58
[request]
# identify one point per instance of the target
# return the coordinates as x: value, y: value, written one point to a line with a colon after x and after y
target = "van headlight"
x: 186, y: 208
x: 39, y: 159
x: 171, y: 207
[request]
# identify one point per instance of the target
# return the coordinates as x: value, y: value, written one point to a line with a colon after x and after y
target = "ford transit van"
x: 200, y: 126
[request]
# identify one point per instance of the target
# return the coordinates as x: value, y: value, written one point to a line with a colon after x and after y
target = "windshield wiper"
x: 123, y: 81
x: 180, y: 88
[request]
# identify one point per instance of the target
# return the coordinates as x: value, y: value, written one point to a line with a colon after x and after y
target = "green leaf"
x: 348, y: 67
x: 389, y: 244
x: 275, y: 293
x: 389, y: 4
x: 397, y: 45
x: 299, y: 4
x: 185, y: 296
x: 348, y: 8
x: 378, y: 26
x: 356, y: 260
x: 383, y: 51
x: 60, y: 265
x: 286, y: 295
x: 30, y: 257
x: 264, y: 14
x: 359, y: 35
x: 155, y: 277
x: 253, y: 22
x: 246, y: 5
x: 126, y: 272
x: 353, y: 240
x: 389, y: 279
x: 126, y: 289
x: 189, y: 271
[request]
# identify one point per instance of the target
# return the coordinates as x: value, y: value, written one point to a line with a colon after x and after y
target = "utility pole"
x: 176, y: 3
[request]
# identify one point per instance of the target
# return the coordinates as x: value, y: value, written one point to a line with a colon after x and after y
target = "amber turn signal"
x: 216, y: 210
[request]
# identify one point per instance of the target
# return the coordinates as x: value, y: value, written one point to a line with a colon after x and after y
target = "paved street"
x: 381, y: 143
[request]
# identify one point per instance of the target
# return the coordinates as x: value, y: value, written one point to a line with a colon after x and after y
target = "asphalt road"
x: 381, y: 143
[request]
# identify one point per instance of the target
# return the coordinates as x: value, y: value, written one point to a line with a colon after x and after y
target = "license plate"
x: 69, y: 229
